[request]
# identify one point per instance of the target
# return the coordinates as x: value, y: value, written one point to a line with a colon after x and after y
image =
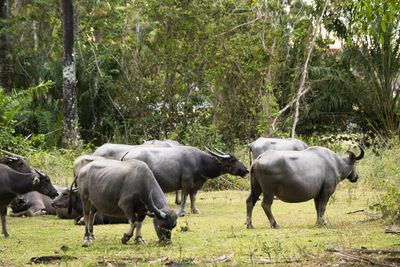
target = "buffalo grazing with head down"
x: 124, y: 189
x: 298, y: 176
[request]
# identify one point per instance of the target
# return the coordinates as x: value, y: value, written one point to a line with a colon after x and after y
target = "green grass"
x: 218, y: 231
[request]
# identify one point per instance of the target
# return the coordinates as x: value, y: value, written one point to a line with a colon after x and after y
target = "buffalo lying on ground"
x: 14, y: 183
x: 298, y: 176
x: 263, y: 144
x: 186, y: 168
x: 33, y: 204
x: 124, y: 189
x: 64, y: 199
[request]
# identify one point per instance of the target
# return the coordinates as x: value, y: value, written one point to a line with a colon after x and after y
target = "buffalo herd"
x: 125, y: 183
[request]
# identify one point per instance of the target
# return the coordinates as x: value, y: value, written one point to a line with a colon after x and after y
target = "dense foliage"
x: 206, y: 71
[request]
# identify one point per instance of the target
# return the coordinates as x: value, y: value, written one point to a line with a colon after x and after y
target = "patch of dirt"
x: 50, y: 259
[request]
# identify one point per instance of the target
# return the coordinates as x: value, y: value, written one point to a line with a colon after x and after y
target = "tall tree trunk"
x: 70, y: 123
x: 4, y: 45
x: 304, y: 72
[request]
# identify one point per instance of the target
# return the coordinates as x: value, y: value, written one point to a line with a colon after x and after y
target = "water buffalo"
x: 33, y: 204
x: 14, y: 183
x: 263, y: 144
x: 124, y: 189
x: 117, y: 151
x: 66, y: 196
x: 298, y: 176
x: 186, y: 168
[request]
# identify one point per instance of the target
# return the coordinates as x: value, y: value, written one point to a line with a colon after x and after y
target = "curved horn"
x: 217, y: 155
x: 40, y: 173
x: 122, y: 158
x: 220, y: 152
x: 157, y: 212
x: 361, y: 154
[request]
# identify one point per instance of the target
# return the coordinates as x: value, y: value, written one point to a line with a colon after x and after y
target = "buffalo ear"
x: 352, y: 156
x: 36, y: 181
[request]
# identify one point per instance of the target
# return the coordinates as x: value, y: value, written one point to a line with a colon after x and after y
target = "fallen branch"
x: 222, y: 259
x: 390, y: 231
x: 10, y: 153
x: 355, y: 211
x: 365, y: 251
x: 361, y: 259
x: 160, y: 260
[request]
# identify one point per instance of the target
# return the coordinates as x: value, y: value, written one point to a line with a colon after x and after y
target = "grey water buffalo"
x: 263, y: 144
x: 186, y: 168
x: 124, y: 189
x: 33, y: 204
x: 298, y: 176
x: 71, y: 197
x: 14, y: 183
x: 117, y: 151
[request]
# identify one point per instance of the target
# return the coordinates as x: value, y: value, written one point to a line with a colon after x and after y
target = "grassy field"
x: 216, y: 236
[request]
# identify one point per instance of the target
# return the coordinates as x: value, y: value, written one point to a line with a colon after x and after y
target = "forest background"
x: 202, y: 72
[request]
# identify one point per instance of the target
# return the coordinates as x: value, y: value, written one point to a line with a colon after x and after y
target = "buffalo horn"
x: 157, y: 212
x: 361, y: 154
x: 217, y: 155
x: 220, y: 152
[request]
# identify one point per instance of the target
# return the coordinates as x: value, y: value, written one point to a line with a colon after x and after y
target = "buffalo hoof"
x: 250, y: 226
x: 195, y: 211
x: 276, y: 226
x: 125, y: 238
x: 182, y: 213
x: 140, y: 241
x: 88, y: 239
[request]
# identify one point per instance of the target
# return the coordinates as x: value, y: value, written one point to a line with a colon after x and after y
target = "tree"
x: 4, y: 44
x: 70, y: 123
x: 374, y: 50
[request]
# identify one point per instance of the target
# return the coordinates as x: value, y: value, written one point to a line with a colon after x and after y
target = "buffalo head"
x: 229, y: 163
x: 164, y: 221
x: 18, y: 203
x: 351, y: 160
x: 41, y: 183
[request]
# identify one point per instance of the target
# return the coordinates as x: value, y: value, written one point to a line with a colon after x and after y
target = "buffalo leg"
x: 86, y: 211
x: 92, y: 215
x: 266, y: 205
x: 320, y: 206
x: 250, y: 202
x: 177, y: 200
x: 125, y: 238
x: 3, y: 212
x: 181, y: 211
x: 193, y: 195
